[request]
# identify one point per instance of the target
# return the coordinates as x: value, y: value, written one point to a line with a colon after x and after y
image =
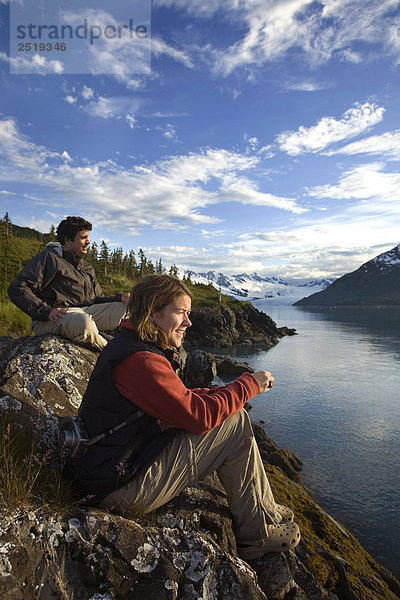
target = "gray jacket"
x: 54, y: 278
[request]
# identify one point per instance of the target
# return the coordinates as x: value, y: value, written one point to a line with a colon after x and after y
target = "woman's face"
x: 174, y: 319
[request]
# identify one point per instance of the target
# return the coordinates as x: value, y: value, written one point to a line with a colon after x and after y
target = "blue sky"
x: 264, y: 136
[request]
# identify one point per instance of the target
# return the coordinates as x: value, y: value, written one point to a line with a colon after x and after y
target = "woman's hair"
x: 150, y: 294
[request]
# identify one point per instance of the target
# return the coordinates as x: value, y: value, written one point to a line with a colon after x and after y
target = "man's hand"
x: 56, y: 315
x: 125, y: 297
x: 264, y: 379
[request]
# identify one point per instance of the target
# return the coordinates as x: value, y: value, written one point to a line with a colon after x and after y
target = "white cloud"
x: 241, y: 189
x: 130, y: 120
x: 87, y: 92
x: 37, y: 64
x: 123, y: 58
x: 171, y: 193
x: 320, y: 30
x: 364, y: 182
x: 70, y: 99
x: 170, y: 132
x: 387, y: 144
x: 111, y: 107
x: 393, y: 38
x: 304, y: 86
x: 160, y: 47
x: 329, y: 130
x: 19, y: 154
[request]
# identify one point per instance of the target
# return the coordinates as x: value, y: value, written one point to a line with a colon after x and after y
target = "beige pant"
x: 82, y: 324
x: 231, y: 450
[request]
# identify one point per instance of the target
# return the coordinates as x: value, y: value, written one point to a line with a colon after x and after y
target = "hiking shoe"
x: 281, y: 538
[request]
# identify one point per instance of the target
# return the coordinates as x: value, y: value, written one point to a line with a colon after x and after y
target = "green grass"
x: 28, y: 477
x: 13, y: 320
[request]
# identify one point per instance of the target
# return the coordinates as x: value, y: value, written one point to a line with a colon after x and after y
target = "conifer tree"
x: 143, y: 263
x: 131, y: 268
x: 159, y: 267
x: 173, y: 271
x: 52, y: 236
x: 104, y: 258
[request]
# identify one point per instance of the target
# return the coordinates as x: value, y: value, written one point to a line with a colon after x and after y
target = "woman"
x: 172, y: 436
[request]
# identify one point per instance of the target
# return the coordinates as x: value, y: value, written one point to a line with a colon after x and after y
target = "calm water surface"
x: 336, y: 404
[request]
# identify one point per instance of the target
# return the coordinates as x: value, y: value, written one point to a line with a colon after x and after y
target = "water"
x: 336, y: 404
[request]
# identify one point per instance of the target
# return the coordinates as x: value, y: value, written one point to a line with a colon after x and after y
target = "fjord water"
x: 336, y: 404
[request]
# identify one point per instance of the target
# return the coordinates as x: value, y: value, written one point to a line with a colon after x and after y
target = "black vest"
x: 117, y: 458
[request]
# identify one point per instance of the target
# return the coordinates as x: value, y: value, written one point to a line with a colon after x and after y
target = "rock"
x: 185, y: 550
x: 287, y: 331
x: 228, y: 367
x: 224, y: 326
x: 42, y: 380
x: 89, y: 554
x: 200, y: 369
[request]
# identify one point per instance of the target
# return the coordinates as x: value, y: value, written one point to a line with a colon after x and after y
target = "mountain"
x: 254, y: 288
x: 377, y: 282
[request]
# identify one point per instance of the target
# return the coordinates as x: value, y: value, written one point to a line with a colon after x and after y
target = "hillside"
x: 375, y: 283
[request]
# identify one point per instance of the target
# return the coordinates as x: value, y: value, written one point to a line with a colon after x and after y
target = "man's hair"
x: 150, y: 294
x: 69, y: 227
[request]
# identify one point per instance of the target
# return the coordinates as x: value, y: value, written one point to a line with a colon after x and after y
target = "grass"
x: 13, y: 320
x: 27, y: 475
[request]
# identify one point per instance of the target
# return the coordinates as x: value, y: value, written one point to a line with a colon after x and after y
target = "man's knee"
x: 78, y: 325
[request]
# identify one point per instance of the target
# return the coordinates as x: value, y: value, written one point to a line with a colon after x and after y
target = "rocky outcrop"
x: 224, y: 326
x: 186, y: 549
x: 201, y: 368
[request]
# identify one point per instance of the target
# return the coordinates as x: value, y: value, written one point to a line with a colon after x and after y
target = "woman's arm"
x: 148, y: 380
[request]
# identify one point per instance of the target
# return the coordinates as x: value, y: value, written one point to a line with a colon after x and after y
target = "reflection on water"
x: 336, y: 403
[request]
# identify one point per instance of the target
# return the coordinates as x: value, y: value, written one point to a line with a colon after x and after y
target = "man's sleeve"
x: 27, y: 284
x: 148, y: 380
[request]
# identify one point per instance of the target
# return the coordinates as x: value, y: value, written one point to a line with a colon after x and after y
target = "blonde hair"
x: 150, y: 294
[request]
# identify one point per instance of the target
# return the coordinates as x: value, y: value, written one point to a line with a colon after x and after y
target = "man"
x: 58, y: 289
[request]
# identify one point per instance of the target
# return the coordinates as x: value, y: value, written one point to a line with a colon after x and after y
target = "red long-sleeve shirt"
x: 148, y: 380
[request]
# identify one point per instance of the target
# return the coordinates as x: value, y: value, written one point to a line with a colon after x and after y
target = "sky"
x: 229, y: 135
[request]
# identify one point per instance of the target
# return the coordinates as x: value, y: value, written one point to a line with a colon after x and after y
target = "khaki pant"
x: 231, y: 450
x: 83, y: 324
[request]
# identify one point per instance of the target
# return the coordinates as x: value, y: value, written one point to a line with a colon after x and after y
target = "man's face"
x: 79, y: 244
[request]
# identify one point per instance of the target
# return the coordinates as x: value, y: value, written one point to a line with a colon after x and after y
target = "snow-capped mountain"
x: 386, y: 260
x: 376, y: 282
x: 253, y: 287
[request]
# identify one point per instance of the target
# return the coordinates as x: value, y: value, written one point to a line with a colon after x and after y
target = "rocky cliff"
x: 185, y: 550
x: 238, y: 324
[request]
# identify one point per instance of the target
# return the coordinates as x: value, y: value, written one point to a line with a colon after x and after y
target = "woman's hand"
x: 264, y: 379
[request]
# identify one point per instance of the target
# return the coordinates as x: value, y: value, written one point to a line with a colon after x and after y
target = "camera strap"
x: 135, y: 417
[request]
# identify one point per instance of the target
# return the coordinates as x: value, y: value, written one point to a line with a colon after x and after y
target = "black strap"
x: 135, y: 417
